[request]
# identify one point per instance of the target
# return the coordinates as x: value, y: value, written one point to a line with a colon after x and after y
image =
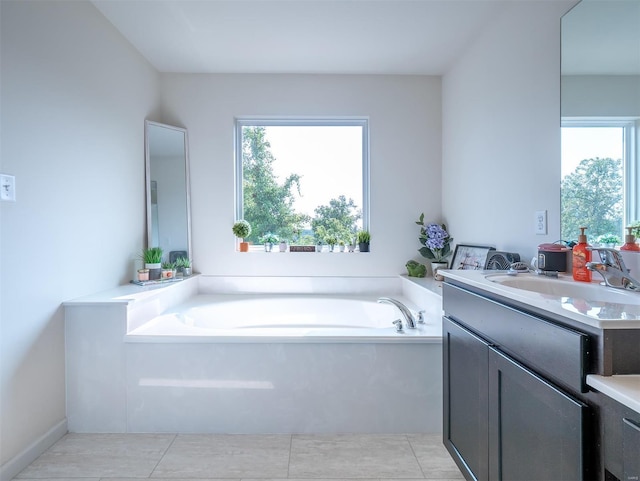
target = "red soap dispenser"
x: 630, y: 242
x: 581, y: 255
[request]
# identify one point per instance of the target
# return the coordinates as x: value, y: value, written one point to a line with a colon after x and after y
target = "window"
x: 302, y: 180
x: 598, y: 178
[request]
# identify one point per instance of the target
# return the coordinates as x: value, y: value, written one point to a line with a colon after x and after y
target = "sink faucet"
x: 611, y: 267
x: 408, y: 317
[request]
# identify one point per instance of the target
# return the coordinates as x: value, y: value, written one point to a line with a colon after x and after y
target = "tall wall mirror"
x: 600, y: 110
x: 168, y: 192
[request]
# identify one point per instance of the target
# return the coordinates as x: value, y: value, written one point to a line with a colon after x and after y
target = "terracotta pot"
x: 244, y: 247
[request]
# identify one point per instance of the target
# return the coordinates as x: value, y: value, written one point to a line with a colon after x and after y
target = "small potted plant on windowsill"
x: 364, y: 240
x: 331, y: 241
x: 341, y: 246
x: 609, y: 240
x: 269, y: 240
x: 242, y: 230
x: 152, y: 258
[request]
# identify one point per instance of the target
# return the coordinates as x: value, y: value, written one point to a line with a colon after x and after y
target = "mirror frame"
x: 147, y: 162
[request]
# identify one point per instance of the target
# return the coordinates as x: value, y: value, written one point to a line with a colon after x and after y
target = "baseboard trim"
x: 11, y: 468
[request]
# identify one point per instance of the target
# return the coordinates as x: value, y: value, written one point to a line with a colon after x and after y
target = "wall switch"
x: 7, y: 188
x: 541, y: 222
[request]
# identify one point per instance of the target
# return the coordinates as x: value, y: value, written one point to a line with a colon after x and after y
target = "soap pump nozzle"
x: 582, y: 238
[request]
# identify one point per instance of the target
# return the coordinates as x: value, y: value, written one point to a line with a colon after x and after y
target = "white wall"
x: 600, y: 95
x: 74, y: 99
x: 405, y: 135
x: 501, y: 131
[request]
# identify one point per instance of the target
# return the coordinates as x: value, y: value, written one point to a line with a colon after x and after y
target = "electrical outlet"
x: 7, y: 188
x: 541, y: 222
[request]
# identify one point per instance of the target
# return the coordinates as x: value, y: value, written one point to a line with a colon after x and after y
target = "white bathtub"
x: 286, y: 318
x: 217, y: 355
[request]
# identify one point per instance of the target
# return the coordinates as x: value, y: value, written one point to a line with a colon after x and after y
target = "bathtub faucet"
x: 408, y: 317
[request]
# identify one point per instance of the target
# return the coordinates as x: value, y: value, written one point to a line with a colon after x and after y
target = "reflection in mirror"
x: 600, y: 118
x: 168, y: 195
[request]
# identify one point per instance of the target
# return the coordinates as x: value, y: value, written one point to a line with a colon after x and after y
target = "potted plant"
x: 152, y: 258
x: 436, y: 244
x: 184, y: 266
x: 168, y: 270
x: 341, y: 246
x: 609, y: 240
x: 351, y: 247
x: 364, y: 239
x: 242, y: 230
x: 269, y: 240
x: 331, y: 241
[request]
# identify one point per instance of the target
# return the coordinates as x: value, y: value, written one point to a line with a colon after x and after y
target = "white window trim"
x: 631, y: 134
x: 363, y: 122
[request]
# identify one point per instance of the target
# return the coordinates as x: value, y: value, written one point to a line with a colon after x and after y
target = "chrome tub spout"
x: 406, y: 313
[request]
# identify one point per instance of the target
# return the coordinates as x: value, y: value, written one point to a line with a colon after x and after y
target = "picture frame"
x: 470, y: 257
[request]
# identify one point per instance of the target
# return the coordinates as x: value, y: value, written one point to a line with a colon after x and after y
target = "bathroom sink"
x: 566, y: 287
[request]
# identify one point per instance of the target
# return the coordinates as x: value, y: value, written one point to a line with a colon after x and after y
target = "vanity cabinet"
x: 621, y: 440
x: 512, y: 384
x: 536, y: 431
x: 466, y: 399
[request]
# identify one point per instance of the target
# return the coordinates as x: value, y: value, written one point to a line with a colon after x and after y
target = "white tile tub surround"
x: 361, y: 386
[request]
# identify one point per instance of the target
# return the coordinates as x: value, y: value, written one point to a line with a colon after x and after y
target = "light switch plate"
x: 7, y: 188
x: 541, y: 222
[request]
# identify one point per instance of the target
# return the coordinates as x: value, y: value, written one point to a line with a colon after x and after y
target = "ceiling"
x: 422, y: 37
x: 301, y: 36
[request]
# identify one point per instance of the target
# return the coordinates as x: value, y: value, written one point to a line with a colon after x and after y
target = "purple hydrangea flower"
x: 436, y: 236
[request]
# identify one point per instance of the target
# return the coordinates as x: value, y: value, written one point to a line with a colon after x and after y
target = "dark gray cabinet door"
x: 535, y: 430
x: 465, y: 414
x: 631, y: 449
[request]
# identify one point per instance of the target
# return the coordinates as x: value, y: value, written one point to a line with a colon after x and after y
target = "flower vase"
x: 435, y: 266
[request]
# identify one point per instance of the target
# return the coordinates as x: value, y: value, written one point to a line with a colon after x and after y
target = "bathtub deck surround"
x: 125, y: 375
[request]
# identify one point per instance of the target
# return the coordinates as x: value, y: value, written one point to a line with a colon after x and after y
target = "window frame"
x: 275, y: 121
x: 630, y: 169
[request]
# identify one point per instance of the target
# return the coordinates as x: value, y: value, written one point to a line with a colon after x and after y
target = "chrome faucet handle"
x: 610, y: 257
x: 398, y: 324
x: 421, y: 314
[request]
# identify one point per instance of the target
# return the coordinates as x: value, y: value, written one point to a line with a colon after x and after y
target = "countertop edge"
x: 624, y: 389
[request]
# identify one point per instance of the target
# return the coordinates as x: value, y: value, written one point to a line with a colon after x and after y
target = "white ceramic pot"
x: 434, y: 269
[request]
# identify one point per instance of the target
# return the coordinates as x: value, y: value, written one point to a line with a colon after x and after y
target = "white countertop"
x: 624, y: 389
x: 601, y: 314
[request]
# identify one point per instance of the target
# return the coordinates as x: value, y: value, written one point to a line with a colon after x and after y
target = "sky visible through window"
x: 328, y: 158
x: 579, y: 143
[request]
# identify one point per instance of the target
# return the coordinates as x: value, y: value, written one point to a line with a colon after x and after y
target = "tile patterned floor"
x: 184, y: 457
